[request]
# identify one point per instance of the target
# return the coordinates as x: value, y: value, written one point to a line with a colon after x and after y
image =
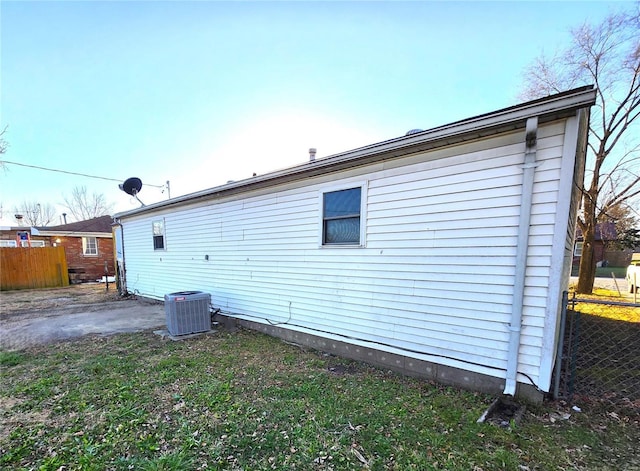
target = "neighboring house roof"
x: 605, y: 231
x: 545, y: 109
x: 96, y: 227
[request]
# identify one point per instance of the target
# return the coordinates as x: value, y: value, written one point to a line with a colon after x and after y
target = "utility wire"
x: 71, y: 173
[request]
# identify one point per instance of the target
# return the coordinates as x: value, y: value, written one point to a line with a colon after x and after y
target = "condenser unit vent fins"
x: 187, y: 312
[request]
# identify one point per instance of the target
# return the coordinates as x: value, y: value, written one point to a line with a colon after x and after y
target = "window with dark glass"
x: 341, y: 217
x: 158, y: 235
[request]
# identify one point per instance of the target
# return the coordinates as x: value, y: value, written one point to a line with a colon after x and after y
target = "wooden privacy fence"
x: 35, y: 267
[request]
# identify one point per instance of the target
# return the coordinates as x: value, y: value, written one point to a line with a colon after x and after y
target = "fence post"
x: 575, y: 342
x: 613, y: 275
x: 570, y: 345
x: 560, y: 349
x: 601, y: 343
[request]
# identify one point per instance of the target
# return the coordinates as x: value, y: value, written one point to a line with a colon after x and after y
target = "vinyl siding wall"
x: 572, y: 174
x: 435, y: 280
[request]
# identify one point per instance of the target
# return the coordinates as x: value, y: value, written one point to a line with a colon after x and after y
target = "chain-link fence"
x: 600, y: 351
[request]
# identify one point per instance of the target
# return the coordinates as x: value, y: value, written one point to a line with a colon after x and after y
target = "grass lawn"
x: 619, y: 272
x: 609, y: 311
x: 247, y: 401
x: 604, y: 272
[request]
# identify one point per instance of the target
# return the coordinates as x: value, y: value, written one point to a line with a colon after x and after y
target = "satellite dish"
x: 132, y: 186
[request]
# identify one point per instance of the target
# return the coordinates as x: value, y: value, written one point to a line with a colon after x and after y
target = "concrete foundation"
x: 399, y: 363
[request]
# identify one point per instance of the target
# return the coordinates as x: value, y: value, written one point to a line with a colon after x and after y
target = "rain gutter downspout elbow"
x: 524, y: 225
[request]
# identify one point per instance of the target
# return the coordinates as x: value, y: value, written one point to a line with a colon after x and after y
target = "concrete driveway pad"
x: 21, y: 328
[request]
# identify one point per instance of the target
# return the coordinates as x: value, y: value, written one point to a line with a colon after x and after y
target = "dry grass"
x: 604, y: 305
x: 23, y: 301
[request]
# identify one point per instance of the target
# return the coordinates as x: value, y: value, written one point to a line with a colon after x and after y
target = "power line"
x: 71, y: 173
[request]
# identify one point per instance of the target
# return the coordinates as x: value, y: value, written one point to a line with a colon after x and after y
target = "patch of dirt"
x: 10, y: 418
x: 341, y: 369
x: 503, y: 412
x: 49, y: 301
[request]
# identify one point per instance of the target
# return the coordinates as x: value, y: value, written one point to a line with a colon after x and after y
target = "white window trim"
x: 84, y: 246
x: 363, y: 213
x: 34, y: 243
x: 577, y: 249
x: 11, y: 243
x: 164, y: 235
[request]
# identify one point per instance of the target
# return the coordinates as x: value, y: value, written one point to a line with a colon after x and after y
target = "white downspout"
x: 524, y: 224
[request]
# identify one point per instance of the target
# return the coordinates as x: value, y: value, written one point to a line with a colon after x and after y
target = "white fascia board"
x: 484, y: 125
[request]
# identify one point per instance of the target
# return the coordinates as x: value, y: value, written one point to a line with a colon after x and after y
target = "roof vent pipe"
x: 312, y: 154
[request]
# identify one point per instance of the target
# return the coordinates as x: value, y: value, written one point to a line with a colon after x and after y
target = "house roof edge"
x: 547, y: 108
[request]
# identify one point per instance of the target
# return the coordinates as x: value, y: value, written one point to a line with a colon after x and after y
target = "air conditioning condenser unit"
x: 187, y: 312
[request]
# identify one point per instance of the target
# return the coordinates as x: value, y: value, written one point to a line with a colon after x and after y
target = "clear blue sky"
x: 200, y: 93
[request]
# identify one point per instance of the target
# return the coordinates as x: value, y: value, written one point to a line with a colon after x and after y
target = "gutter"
x: 515, y: 328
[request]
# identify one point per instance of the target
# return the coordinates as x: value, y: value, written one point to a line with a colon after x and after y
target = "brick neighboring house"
x: 88, y: 246
x: 605, y: 233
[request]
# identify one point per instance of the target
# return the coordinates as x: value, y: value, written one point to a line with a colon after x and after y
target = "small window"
x: 341, y: 217
x: 158, y: 235
x: 8, y: 243
x: 577, y: 251
x: 34, y: 243
x: 89, y: 246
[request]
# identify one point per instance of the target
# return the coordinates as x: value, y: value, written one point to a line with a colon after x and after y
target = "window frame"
x: 363, y: 185
x: 12, y: 243
x: 85, y: 246
x: 577, y: 249
x: 163, y: 235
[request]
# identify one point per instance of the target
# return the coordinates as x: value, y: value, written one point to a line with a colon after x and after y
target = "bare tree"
x: 3, y: 146
x: 34, y: 213
x: 606, y: 55
x: 84, y: 206
x: 3, y: 143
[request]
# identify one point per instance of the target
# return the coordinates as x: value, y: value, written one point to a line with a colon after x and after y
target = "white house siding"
x: 435, y: 279
x: 572, y: 176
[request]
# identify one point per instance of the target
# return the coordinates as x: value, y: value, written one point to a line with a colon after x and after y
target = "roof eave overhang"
x: 509, y: 119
